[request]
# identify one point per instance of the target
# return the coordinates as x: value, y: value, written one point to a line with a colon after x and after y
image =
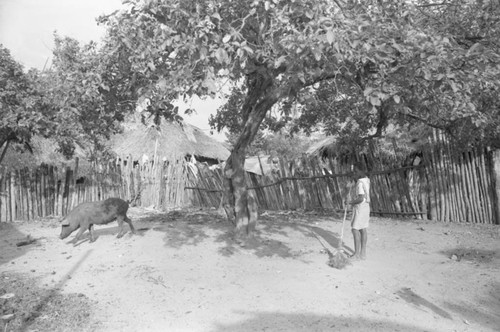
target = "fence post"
x: 13, y: 190
x: 495, y: 157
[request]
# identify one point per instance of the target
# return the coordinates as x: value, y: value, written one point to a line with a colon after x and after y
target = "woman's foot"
x: 355, y: 257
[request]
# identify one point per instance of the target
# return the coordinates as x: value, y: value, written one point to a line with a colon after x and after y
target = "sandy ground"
x: 184, y: 272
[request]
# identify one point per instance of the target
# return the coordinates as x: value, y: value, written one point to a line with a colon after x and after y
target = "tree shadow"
x: 9, y: 237
x: 191, y: 227
x: 308, y: 225
x: 54, y: 291
x: 410, y: 296
x: 485, y: 310
x: 258, y: 244
x: 307, y: 322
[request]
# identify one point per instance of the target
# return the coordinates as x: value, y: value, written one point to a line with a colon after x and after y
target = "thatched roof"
x: 168, y: 140
x: 44, y: 151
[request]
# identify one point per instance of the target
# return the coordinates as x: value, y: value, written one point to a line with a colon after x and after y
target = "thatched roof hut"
x: 392, y: 150
x: 44, y: 151
x: 166, y: 141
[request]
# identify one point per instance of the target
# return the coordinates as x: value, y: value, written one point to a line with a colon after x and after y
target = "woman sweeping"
x: 361, y: 213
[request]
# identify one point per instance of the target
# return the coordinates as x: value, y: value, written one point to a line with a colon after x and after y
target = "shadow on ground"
x: 10, y: 236
x: 487, y: 312
x: 45, y: 309
x: 191, y: 227
x: 471, y: 254
x: 277, y: 321
x: 410, y: 296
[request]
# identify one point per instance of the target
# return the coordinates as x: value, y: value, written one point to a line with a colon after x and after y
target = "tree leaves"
x: 376, y: 58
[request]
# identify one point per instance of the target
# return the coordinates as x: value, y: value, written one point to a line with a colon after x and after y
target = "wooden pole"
x: 20, y: 195
x: 495, y: 175
x: 12, y: 194
x: 3, y: 195
x: 473, y: 197
x: 487, y: 208
x: 286, y: 189
x: 485, y: 176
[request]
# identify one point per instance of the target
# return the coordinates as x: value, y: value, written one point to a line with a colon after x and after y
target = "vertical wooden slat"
x: 455, y: 184
x: 431, y: 186
x: 471, y: 194
x: 298, y: 188
x: 466, y: 194
x: 450, y: 183
x: 483, y: 199
x: 495, y: 176
x: 481, y: 163
x: 29, y: 198
x: 308, y: 186
x: 285, y: 185
x: 423, y: 192
x: 12, y: 196
x: 20, y: 195
x: 490, y: 182
x: 318, y: 185
x: 3, y: 195
x: 294, y: 191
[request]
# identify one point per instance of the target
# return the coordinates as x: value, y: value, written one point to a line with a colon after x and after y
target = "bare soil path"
x: 184, y: 272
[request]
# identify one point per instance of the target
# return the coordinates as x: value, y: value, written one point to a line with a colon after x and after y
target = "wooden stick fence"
x: 449, y: 187
x: 49, y: 191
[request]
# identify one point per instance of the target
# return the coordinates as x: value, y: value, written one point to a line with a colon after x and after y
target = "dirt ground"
x: 183, y: 271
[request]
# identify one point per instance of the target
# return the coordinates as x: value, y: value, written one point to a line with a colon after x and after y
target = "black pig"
x: 86, y: 215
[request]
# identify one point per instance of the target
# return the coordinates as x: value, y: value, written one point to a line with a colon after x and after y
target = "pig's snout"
x: 65, y: 232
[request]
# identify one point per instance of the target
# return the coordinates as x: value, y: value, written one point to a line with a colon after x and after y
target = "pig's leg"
x: 78, y: 235
x: 129, y: 222
x: 91, y: 232
x: 120, y: 224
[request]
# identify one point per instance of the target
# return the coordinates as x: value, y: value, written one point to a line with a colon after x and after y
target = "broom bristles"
x: 338, y: 260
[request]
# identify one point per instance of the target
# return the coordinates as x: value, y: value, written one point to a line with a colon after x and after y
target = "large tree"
x: 285, y: 52
x: 452, y: 86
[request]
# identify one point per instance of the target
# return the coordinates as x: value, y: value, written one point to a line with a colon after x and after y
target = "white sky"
x: 27, y: 28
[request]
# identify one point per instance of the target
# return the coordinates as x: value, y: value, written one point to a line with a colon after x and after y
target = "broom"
x: 339, y: 260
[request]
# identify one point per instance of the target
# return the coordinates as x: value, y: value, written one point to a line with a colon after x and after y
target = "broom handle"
x: 342, y: 231
x: 343, y: 221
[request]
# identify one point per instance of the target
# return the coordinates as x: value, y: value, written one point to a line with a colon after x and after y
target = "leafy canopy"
x: 443, y: 72
x: 354, y: 66
x: 24, y: 110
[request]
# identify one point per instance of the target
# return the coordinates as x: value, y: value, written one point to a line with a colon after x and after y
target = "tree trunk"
x: 239, y: 203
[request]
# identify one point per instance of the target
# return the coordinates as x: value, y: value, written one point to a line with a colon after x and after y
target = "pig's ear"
x: 65, y: 222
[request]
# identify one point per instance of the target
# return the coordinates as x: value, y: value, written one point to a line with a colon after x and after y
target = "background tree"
x: 24, y: 110
x: 90, y: 91
x: 80, y: 100
x: 377, y: 57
